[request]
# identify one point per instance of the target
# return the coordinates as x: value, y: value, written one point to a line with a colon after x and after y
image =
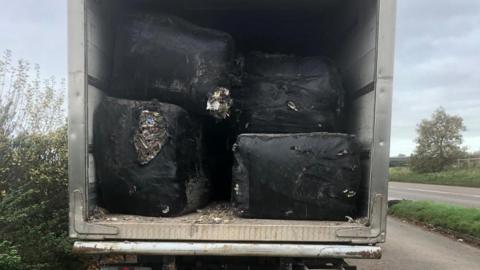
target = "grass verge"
x: 454, y: 218
x: 466, y: 178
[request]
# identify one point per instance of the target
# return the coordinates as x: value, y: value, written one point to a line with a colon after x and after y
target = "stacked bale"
x: 147, y: 158
x: 174, y: 87
x: 296, y: 176
x: 158, y: 170
x: 289, y: 94
x: 163, y: 57
x: 283, y: 167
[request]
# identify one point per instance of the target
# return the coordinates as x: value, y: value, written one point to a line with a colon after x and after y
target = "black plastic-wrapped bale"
x: 148, y: 158
x: 164, y: 57
x: 289, y: 94
x: 312, y: 176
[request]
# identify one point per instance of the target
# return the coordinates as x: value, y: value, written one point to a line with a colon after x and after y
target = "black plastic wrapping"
x: 167, y: 58
x: 289, y: 94
x: 165, y: 180
x: 311, y: 176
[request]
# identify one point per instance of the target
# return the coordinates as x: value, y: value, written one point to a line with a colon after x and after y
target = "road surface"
x: 410, y: 247
x: 469, y: 197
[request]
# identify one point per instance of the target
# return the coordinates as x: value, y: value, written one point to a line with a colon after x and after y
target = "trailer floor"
x: 214, y: 213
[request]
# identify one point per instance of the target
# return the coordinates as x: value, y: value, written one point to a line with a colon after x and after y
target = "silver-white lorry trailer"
x: 357, y: 34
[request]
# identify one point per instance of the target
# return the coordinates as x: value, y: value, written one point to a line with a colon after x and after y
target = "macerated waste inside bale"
x: 296, y: 176
x: 289, y: 94
x: 219, y: 103
x: 163, y: 57
x: 148, y: 158
x: 150, y: 136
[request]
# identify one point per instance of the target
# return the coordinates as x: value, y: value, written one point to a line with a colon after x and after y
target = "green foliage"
x: 33, y: 170
x: 454, y: 177
x: 459, y: 219
x: 33, y: 210
x: 9, y: 258
x: 438, y: 143
x: 5, y: 153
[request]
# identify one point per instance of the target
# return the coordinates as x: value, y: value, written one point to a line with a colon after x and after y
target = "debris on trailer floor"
x: 215, y: 213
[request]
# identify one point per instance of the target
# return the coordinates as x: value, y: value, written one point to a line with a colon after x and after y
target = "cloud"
x: 36, y: 31
x: 437, y: 57
x: 437, y: 54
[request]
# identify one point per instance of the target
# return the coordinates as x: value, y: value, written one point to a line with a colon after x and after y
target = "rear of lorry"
x: 358, y: 35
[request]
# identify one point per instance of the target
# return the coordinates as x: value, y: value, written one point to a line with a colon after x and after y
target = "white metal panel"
x: 99, y: 39
x: 357, y: 53
x: 383, y: 106
x: 95, y: 96
x: 76, y: 106
x: 360, y: 121
x: 241, y: 229
x: 361, y: 72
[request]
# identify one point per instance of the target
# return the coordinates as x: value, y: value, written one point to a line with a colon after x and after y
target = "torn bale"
x: 150, y: 136
x: 163, y: 57
x: 289, y: 94
x: 219, y: 103
x: 310, y: 176
x: 148, y: 158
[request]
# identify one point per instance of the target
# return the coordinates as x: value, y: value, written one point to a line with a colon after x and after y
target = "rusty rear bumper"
x: 229, y: 249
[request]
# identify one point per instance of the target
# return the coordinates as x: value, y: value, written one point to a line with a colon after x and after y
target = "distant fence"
x: 468, y: 163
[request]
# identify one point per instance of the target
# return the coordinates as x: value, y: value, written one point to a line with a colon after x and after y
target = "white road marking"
x: 436, y: 191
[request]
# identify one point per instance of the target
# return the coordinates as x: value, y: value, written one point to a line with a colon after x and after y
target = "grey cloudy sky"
x: 437, y: 57
x: 36, y: 30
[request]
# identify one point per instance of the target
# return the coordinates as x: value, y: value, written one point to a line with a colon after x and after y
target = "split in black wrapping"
x: 170, y: 184
x: 312, y: 176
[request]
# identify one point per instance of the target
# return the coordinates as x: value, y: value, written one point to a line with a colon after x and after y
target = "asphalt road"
x: 414, y: 248
x: 469, y: 197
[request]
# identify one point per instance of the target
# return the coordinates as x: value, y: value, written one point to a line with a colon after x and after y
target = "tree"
x: 9, y: 258
x: 33, y: 171
x: 34, y: 211
x: 28, y: 103
x: 438, y: 143
x: 5, y: 154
